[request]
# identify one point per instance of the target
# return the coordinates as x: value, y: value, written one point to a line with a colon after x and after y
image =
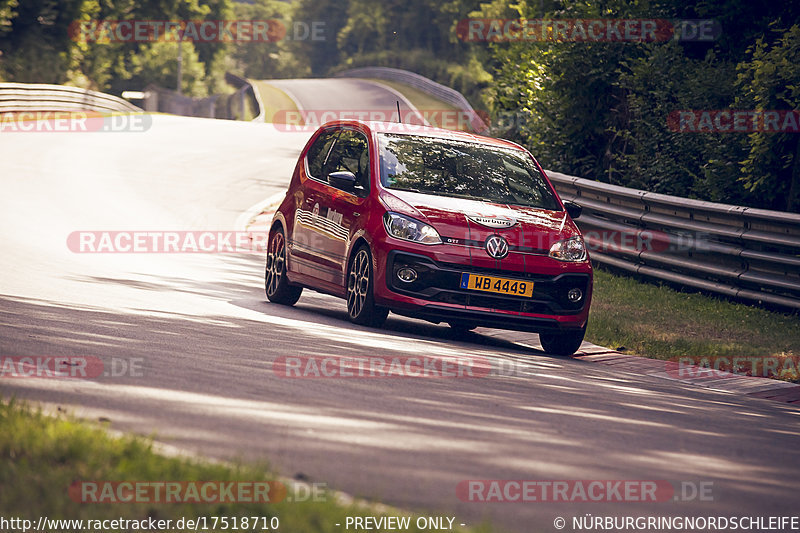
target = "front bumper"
x: 436, y: 296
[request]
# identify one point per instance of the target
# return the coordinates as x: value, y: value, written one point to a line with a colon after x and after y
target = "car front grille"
x: 440, y: 282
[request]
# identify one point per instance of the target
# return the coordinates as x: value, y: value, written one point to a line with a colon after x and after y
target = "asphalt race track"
x: 205, y: 338
x: 346, y: 98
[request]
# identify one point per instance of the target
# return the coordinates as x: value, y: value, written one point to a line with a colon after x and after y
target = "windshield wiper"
x: 408, y: 189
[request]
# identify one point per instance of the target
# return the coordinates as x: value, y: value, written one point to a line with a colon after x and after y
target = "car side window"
x: 318, y: 153
x: 350, y: 153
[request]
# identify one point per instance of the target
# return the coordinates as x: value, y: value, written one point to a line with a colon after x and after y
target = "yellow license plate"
x: 497, y: 285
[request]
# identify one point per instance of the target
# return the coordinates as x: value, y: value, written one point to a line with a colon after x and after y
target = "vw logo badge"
x: 496, y: 247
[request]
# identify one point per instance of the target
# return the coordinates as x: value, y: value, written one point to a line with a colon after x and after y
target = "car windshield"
x: 447, y: 167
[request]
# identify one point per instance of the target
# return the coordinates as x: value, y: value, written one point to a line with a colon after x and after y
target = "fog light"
x: 575, y: 295
x: 408, y: 275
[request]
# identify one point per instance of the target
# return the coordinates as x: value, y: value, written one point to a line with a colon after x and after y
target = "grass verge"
x: 42, y: 456
x: 422, y: 101
x: 660, y: 322
x: 274, y: 101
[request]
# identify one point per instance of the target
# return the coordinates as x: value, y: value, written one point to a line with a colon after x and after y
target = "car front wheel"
x: 276, y: 285
x: 566, y: 343
x: 361, y: 306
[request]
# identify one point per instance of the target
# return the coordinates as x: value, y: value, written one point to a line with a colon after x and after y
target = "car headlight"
x: 410, y: 229
x: 572, y: 249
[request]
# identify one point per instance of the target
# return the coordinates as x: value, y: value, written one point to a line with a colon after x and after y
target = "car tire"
x: 276, y: 285
x: 361, y: 308
x: 566, y: 343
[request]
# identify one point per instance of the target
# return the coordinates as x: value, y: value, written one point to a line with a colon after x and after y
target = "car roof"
x: 428, y: 131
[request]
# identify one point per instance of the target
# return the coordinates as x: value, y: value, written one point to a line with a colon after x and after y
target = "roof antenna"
x: 399, y: 119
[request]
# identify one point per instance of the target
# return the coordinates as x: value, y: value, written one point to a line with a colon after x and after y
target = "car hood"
x: 526, y: 229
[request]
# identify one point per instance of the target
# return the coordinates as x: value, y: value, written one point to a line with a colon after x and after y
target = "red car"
x: 433, y: 224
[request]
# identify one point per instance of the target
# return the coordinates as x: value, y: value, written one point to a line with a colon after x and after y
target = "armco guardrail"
x: 160, y: 100
x: 740, y: 252
x: 428, y: 86
x: 21, y: 97
x: 244, y: 85
x: 223, y: 106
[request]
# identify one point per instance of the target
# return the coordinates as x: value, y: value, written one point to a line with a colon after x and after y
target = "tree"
x: 565, y: 97
x: 320, y: 56
x: 600, y: 110
x: 158, y: 63
x: 261, y: 60
x: 6, y: 14
x: 770, y: 80
x: 656, y: 157
x: 34, y: 39
x: 38, y: 45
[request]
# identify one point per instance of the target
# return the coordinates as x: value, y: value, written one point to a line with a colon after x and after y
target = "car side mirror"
x: 573, y: 209
x: 343, y: 179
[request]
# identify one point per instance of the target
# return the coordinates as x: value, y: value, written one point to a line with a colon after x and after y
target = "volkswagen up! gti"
x: 432, y: 224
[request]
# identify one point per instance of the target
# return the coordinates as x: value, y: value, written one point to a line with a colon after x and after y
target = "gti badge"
x: 496, y: 247
x: 495, y: 222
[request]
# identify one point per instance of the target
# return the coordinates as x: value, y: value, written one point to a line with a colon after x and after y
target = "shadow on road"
x: 207, y: 385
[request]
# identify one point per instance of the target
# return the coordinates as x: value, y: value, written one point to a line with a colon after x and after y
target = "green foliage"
x: 562, y: 98
x: 262, y: 60
x: 566, y: 119
x: 320, y: 55
x: 771, y: 80
x: 367, y: 29
x: 37, y: 45
x: 6, y: 14
x: 158, y: 63
x: 401, y: 25
x: 416, y: 35
x: 34, y: 41
x: 654, y: 157
x: 599, y: 110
